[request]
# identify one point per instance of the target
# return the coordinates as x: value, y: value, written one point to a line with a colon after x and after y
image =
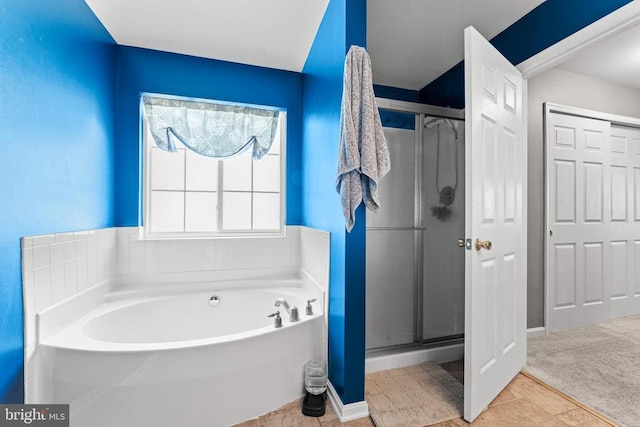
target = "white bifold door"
x: 495, y: 210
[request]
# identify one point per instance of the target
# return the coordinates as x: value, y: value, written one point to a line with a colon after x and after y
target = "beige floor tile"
x: 251, y: 423
x: 329, y: 414
x: 541, y: 396
x: 580, y: 417
x: 405, y: 396
x: 293, y: 404
x: 519, y: 412
x: 291, y: 417
x: 503, y: 397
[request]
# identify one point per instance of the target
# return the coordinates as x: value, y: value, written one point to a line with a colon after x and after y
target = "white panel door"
x: 495, y: 279
x: 625, y: 221
x: 579, y: 211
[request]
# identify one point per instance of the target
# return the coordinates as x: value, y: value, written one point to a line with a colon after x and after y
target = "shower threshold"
x: 440, y: 350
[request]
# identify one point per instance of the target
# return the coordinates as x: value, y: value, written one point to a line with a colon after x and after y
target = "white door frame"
x: 622, y: 19
x: 549, y: 108
x: 615, y: 119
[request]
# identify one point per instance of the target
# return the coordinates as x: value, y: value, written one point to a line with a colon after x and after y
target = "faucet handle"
x: 309, y: 309
x: 277, y: 321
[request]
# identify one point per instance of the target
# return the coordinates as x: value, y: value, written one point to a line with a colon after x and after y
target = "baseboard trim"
x: 536, y: 332
x: 348, y: 412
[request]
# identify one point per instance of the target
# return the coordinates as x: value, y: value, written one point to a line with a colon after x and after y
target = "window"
x: 190, y: 194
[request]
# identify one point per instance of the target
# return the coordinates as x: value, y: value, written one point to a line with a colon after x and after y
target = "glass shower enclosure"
x: 415, y: 269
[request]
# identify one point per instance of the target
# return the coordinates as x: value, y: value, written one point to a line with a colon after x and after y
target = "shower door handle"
x: 483, y: 245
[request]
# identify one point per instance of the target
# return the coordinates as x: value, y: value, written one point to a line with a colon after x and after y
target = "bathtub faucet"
x: 293, y: 311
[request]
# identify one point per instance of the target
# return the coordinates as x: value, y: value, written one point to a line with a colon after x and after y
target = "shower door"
x: 392, y: 244
x: 443, y: 260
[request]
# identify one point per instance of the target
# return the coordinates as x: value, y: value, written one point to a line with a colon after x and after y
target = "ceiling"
x: 411, y: 42
x: 273, y: 33
x: 615, y: 59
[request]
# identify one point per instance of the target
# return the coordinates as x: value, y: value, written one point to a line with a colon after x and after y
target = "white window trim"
x: 146, y: 147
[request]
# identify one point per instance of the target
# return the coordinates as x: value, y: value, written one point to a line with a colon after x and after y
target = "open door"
x: 495, y: 261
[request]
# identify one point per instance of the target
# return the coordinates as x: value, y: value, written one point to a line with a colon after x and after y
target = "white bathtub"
x: 174, y: 360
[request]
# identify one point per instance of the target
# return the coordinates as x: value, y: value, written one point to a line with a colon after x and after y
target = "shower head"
x: 436, y: 121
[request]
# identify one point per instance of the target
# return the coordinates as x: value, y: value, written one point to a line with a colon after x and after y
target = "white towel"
x: 364, y: 156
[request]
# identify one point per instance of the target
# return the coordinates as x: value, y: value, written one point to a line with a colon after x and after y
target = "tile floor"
x: 290, y: 415
x: 522, y: 403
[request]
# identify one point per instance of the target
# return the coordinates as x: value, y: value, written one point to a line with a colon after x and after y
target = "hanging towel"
x: 363, y: 158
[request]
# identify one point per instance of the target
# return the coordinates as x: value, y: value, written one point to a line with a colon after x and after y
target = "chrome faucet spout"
x: 283, y: 302
x: 292, y: 311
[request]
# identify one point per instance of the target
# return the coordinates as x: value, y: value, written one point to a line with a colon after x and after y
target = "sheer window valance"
x: 210, y: 129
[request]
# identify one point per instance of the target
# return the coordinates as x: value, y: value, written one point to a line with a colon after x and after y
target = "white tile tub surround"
x: 57, y: 267
x: 205, y: 258
x: 61, y: 272
x: 314, y: 245
x: 314, y: 267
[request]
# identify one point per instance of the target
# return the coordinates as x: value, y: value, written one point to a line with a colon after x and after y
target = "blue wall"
x: 343, y: 25
x: 57, y: 104
x: 143, y: 70
x: 65, y: 160
x: 393, y: 119
x: 547, y: 24
x: 396, y: 93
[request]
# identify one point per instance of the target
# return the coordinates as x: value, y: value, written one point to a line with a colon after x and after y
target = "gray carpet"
x: 417, y: 395
x: 598, y: 366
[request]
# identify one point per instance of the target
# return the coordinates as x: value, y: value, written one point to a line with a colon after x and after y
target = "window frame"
x: 146, y: 146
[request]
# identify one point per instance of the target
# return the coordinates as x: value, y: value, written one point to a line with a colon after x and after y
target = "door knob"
x: 483, y: 245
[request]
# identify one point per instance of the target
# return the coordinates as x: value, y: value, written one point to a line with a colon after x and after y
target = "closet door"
x: 579, y: 215
x: 625, y: 221
x: 495, y: 223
